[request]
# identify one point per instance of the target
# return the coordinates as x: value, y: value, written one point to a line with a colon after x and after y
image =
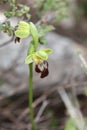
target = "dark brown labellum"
x: 37, y: 68
x: 44, y: 73
x: 17, y: 39
x: 45, y: 64
x: 42, y: 68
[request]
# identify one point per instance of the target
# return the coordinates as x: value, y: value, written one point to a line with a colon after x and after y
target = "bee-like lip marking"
x: 42, y: 68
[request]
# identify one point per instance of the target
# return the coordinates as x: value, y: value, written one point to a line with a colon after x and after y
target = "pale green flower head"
x: 38, y: 56
x: 23, y: 30
x: 26, y: 29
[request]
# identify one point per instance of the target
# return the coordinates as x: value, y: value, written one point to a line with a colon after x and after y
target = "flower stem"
x: 31, y: 96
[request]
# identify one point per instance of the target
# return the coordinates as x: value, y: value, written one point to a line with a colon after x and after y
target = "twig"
x: 37, y: 102
x: 84, y: 63
x: 45, y: 103
x: 46, y: 94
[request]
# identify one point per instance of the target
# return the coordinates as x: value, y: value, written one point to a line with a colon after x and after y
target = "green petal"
x: 34, y: 33
x: 28, y: 59
x: 42, y: 54
x: 23, y: 30
x: 47, y: 50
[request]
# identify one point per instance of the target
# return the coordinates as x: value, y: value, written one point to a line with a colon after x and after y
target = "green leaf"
x: 43, y: 40
x: 26, y: 8
x: 9, y: 14
x: 28, y: 59
x: 20, y: 5
x: 42, y: 55
x: 28, y: 16
x: 70, y: 125
x: 18, y: 13
x: 34, y: 33
x: 1, y: 27
x: 23, y: 30
x: 44, y: 29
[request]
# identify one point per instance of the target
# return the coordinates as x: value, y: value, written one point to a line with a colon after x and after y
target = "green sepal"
x: 28, y: 59
x: 34, y: 34
x: 23, y: 30
x: 42, y: 55
x: 47, y: 50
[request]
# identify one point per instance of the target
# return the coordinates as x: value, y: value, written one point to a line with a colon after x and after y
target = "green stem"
x: 31, y: 96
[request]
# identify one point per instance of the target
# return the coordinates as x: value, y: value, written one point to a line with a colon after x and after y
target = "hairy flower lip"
x: 37, y: 69
x: 44, y: 73
x: 42, y: 68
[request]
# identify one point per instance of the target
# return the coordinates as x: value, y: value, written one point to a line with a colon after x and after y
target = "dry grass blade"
x: 74, y: 112
x: 45, y: 103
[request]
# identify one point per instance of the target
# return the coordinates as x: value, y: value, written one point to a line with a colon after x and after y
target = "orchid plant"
x: 33, y: 56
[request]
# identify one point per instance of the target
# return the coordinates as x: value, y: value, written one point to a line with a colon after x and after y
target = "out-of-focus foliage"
x: 3, y: 1
x: 57, y: 6
x: 1, y: 81
x: 83, y: 7
x: 70, y: 124
x: 7, y: 28
x: 42, y: 30
x: 54, y: 123
x: 17, y: 10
